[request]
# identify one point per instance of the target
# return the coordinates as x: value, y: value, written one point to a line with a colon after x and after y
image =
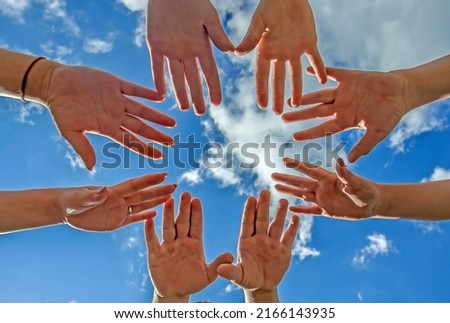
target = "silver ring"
x: 130, y: 210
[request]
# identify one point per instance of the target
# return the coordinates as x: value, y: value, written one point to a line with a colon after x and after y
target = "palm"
x: 87, y: 100
x: 264, y: 262
x: 174, y: 263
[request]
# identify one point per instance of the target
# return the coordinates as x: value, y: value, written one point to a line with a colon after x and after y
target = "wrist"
x: 385, y: 205
x: 39, y: 79
x: 173, y: 299
x: 261, y: 296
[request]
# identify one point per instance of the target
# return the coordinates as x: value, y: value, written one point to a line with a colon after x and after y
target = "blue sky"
x: 334, y: 261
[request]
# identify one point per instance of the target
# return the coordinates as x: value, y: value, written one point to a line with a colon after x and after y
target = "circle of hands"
x: 264, y: 250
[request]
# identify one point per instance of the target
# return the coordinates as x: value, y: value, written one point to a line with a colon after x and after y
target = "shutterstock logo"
x: 247, y: 155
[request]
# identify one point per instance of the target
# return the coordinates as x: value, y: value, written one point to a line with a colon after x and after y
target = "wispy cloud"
x: 439, y: 174
x: 134, y: 5
x: 137, y: 6
x: 378, y: 245
x: 192, y: 177
x: 26, y: 111
x: 98, y: 46
x: 428, y: 227
x: 14, y: 8
x: 230, y: 288
x: 415, y: 123
x: 76, y: 162
x: 57, y: 10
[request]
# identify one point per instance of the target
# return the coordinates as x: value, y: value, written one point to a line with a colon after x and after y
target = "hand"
x: 366, y: 100
x: 83, y: 100
x: 177, y: 266
x: 283, y: 31
x: 180, y: 31
x: 264, y: 251
x: 109, y: 208
x: 342, y: 195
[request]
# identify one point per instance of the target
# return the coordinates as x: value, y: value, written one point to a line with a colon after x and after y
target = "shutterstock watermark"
x: 192, y: 153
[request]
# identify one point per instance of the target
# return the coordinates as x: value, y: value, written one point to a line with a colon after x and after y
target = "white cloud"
x: 26, y: 111
x: 439, y: 174
x: 192, y: 177
x: 14, y: 8
x: 415, y: 123
x: 231, y: 288
x: 76, y: 162
x: 56, y: 10
x: 97, y: 46
x: 134, y: 5
x: 428, y: 227
x: 57, y: 52
x: 378, y: 245
x: 360, y: 296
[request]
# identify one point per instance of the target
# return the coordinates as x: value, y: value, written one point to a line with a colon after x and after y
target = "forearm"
x: 261, y: 296
x: 427, y: 83
x: 175, y: 299
x: 426, y: 201
x: 23, y: 210
x: 13, y: 66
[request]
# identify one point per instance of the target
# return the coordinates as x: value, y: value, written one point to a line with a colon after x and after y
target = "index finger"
x: 248, y: 218
x: 310, y: 170
x: 317, y: 64
x: 134, y: 185
x: 145, y: 112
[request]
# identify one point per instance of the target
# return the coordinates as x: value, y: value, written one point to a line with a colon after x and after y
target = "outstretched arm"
x: 373, y: 101
x: 264, y: 250
x: 282, y: 31
x: 88, y: 208
x: 83, y: 99
x: 344, y: 195
x: 177, y: 265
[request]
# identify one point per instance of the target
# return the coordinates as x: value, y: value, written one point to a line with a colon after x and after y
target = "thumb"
x: 82, y: 146
x: 365, y: 145
x: 216, y: 32
x: 346, y: 176
x: 231, y: 272
x: 355, y: 187
x: 226, y: 258
x: 253, y: 36
x: 80, y: 200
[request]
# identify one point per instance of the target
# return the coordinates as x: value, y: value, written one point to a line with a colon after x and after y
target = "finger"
x: 176, y: 71
x: 317, y: 64
x: 295, y: 66
x: 262, y: 81
x: 262, y: 213
x: 276, y: 227
x: 132, y: 89
x: 168, y: 226
x: 318, y: 111
x: 321, y: 96
x: 151, y: 237
x: 182, y: 222
x: 248, y: 218
x: 226, y: 258
x: 149, y: 204
x: 196, y: 228
x: 216, y: 32
x: 150, y: 194
x: 127, y: 139
x: 158, y: 73
x: 306, y: 209
x: 365, y: 145
x: 140, y: 110
x: 195, y: 86
x: 296, y: 192
x: 142, y: 129
x: 333, y: 73
x: 231, y: 272
x: 138, y: 217
x: 82, y: 147
x: 134, y: 185
x: 297, y: 181
x: 253, y: 35
x: 326, y: 128
x: 211, y: 74
x: 290, y: 233
x: 278, y: 85
x: 310, y: 170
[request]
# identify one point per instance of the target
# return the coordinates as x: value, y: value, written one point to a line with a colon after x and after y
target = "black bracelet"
x: 25, y: 77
